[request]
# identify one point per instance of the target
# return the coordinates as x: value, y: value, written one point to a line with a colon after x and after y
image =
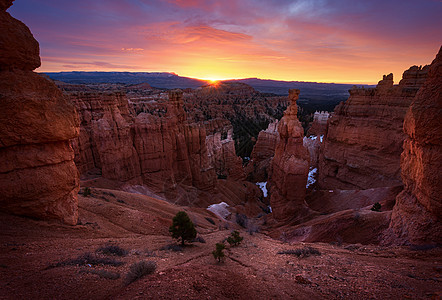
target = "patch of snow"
x: 263, y: 187
x: 270, y: 208
x: 313, y: 137
x: 321, y: 138
x: 247, y: 158
x: 311, y: 177
x: 220, y: 209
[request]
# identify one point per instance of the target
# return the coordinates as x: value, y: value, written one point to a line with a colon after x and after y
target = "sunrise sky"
x: 345, y: 41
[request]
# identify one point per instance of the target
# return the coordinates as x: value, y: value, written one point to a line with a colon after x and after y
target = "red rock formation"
x: 289, y: 168
x: 258, y: 167
x: 364, y: 136
x: 159, y: 150
x: 38, y: 177
x: 221, y: 149
x: 313, y: 144
x: 319, y: 124
x: 417, y: 215
x: 105, y: 140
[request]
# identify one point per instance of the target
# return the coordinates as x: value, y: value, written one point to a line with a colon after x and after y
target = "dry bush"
x: 88, y: 259
x: 173, y: 247
x: 304, y: 252
x: 139, y: 270
x: 113, y: 250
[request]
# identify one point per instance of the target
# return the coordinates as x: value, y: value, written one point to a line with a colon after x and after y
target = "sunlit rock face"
x: 38, y: 177
x: 364, y: 137
x: 417, y: 215
x: 290, y: 166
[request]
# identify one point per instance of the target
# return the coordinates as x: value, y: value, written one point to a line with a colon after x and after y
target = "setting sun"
x: 320, y: 41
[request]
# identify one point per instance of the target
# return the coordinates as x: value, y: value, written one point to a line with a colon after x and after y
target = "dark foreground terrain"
x: 40, y: 260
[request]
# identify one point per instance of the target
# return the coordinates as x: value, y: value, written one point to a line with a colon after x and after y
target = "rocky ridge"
x: 38, y: 177
x: 364, y: 137
x: 417, y: 215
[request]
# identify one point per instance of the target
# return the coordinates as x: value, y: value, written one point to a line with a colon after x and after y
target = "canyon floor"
x: 34, y: 259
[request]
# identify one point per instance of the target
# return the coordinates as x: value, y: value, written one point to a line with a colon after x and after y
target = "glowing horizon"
x: 340, y: 41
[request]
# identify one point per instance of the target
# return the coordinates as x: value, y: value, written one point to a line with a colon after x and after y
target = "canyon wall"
x: 262, y: 153
x: 221, y: 150
x: 319, y: 124
x: 289, y: 167
x: 38, y: 177
x: 417, y: 215
x: 157, y: 147
x: 364, y: 137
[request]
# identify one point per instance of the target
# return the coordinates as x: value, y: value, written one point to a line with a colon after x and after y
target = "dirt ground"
x: 30, y: 251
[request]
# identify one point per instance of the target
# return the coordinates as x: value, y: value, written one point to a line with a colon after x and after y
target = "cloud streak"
x: 311, y: 40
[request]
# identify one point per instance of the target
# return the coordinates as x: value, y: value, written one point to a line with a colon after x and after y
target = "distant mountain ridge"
x: 165, y: 80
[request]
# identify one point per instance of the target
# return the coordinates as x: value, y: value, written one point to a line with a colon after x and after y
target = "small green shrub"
x: 234, y: 239
x: 376, y: 207
x: 182, y: 228
x: 139, y: 270
x: 87, y: 191
x: 218, y: 253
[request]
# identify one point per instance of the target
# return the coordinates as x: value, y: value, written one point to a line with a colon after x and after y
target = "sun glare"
x: 213, y: 81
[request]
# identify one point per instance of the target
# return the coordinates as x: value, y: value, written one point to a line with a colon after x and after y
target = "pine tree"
x: 182, y: 227
x: 218, y: 253
x: 235, y: 239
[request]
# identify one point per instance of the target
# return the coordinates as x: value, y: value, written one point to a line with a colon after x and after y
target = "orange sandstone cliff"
x: 38, y: 177
x: 364, y: 137
x: 159, y: 150
x: 417, y: 215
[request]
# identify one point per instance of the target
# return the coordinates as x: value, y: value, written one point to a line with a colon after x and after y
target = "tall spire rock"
x: 290, y: 165
x: 417, y: 215
x: 38, y: 177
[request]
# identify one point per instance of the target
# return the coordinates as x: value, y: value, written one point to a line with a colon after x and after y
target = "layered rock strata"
x: 319, y: 124
x: 417, y: 215
x: 158, y: 150
x: 364, y: 138
x: 262, y: 154
x: 289, y: 168
x: 221, y: 150
x: 38, y: 177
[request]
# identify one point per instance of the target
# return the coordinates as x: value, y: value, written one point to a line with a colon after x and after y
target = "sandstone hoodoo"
x: 38, y: 177
x: 364, y: 137
x: 221, y: 150
x: 262, y: 154
x: 319, y: 124
x: 417, y: 215
x: 289, y: 168
x: 158, y: 149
